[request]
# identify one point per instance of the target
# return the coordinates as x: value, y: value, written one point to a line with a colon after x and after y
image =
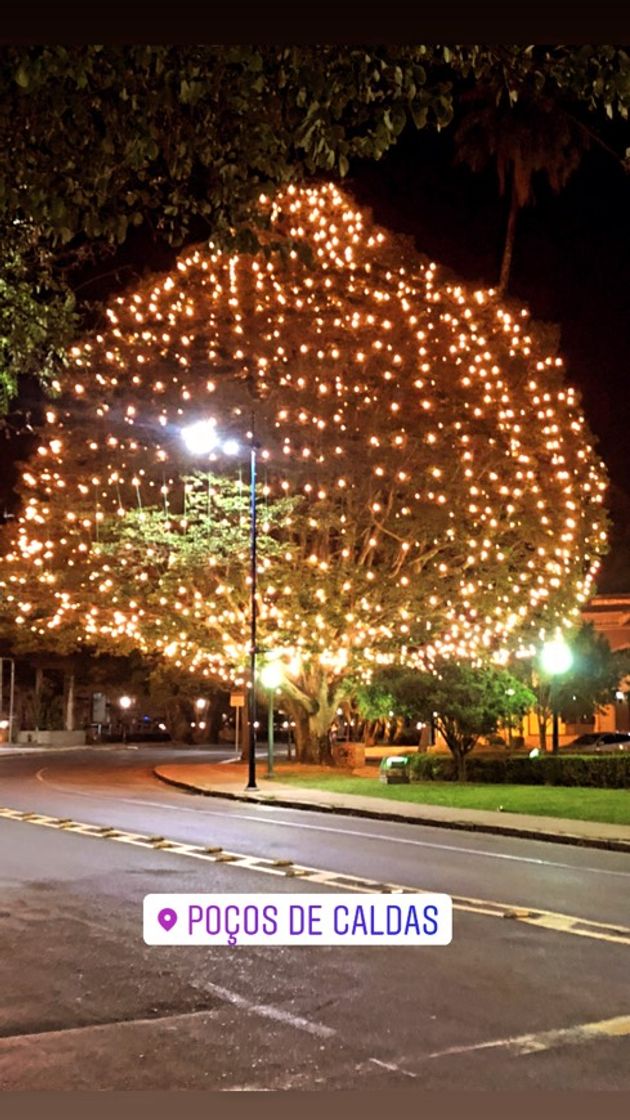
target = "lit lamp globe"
x: 125, y: 702
x: 271, y: 676
x: 201, y: 438
x: 556, y: 658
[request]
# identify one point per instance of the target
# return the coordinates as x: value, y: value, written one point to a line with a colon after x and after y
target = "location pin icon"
x: 167, y: 919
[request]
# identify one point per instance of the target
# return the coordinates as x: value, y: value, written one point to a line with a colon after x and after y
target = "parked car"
x: 600, y: 742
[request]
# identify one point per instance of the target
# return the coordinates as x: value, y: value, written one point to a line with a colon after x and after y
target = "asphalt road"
x: 85, y: 1004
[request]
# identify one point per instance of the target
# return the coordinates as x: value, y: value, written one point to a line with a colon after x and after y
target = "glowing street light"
x: 125, y: 703
x: 202, y: 438
x: 555, y: 660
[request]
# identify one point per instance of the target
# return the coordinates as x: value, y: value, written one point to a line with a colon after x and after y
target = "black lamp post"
x: 251, y: 777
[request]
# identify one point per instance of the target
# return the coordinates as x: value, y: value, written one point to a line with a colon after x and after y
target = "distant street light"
x: 202, y: 438
x: 555, y: 660
x: 124, y: 703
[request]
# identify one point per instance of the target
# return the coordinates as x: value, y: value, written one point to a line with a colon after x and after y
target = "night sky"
x: 571, y: 266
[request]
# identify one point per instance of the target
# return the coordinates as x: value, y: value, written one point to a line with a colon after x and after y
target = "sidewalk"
x: 229, y: 780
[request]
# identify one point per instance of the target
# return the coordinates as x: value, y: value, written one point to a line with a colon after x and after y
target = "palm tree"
x: 523, y: 137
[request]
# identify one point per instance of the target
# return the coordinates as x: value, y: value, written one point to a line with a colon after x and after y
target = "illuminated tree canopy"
x: 429, y: 487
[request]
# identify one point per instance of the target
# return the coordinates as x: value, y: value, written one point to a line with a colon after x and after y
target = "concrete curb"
x: 10, y: 752
x: 403, y: 818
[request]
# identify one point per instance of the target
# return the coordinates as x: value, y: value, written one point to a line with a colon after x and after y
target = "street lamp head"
x: 271, y: 675
x: 200, y: 704
x: 556, y: 657
x: 125, y: 702
x: 201, y: 437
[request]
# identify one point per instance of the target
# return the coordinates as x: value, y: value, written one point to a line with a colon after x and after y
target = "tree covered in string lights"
x: 429, y: 487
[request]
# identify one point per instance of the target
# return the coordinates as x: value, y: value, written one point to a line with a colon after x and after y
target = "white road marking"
x: 329, y: 828
x: 546, y: 1040
x: 546, y: 919
x: 267, y: 1011
x: 392, y: 1067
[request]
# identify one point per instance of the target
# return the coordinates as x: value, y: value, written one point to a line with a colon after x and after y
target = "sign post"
x: 237, y: 701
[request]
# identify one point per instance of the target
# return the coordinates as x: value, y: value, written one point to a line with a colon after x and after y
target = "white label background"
x: 300, y: 919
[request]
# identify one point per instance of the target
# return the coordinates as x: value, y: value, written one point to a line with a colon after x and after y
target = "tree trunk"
x: 177, y: 719
x: 305, y: 749
x: 508, y: 246
x: 69, y: 713
x: 542, y: 731
x: 214, y: 718
x: 39, y: 684
x: 312, y: 727
x: 312, y: 738
x: 369, y: 732
x: 399, y: 729
x: 460, y: 761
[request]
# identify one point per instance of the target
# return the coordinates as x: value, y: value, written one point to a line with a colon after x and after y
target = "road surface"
x: 85, y: 1004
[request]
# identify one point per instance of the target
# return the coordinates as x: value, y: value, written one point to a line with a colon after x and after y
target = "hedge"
x: 609, y: 771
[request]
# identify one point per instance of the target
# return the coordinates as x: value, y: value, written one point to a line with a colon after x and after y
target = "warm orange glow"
x: 447, y: 497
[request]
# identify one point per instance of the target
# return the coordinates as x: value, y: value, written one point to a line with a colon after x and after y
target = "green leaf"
x: 419, y: 115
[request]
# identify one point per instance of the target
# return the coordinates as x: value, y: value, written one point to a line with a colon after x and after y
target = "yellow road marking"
x: 547, y: 1040
x: 544, y: 919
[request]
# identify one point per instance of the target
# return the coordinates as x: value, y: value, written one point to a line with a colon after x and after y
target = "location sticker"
x: 334, y: 918
x: 167, y: 918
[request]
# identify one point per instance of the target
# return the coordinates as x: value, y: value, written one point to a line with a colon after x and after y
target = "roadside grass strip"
x: 543, y: 919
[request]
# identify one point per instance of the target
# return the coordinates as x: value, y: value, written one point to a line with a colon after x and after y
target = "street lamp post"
x: 556, y: 659
x: 251, y: 780
x: 202, y: 438
x: 271, y: 678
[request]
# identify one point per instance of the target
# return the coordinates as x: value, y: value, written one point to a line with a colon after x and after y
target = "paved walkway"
x: 229, y: 780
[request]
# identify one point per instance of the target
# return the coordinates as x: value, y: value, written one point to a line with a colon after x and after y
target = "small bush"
x: 610, y: 771
x: 431, y: 767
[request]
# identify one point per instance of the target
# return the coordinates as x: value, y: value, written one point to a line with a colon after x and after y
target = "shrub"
x: 610, y: 771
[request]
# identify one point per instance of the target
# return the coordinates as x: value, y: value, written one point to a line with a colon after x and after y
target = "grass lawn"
x: 574, y: 803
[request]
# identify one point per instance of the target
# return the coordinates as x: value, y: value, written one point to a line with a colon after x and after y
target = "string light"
x: 442, y: 496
